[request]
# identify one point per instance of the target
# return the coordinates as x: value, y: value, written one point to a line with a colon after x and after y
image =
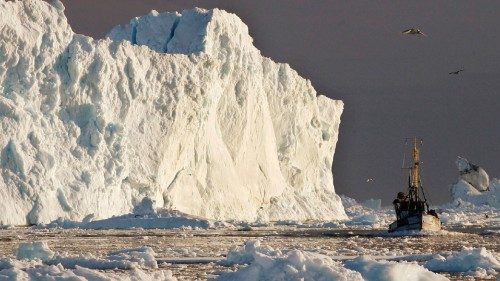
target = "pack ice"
x: 180, y: 108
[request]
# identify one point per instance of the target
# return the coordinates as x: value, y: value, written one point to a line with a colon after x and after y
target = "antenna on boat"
x: 414, y: 142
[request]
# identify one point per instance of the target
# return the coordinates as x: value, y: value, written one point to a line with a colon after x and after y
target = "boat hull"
x: 416, y: 222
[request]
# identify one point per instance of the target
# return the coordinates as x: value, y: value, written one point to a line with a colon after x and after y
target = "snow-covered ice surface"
x: 177, y: 107
x: 214, y: 253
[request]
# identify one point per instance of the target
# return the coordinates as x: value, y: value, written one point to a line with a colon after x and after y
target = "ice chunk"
x: 266, y: 264
x: 373, y: 270
x: 365, y: 219
x: 468, y: 259
x: 34, y: 250
x: 126, y: 259
x: 473, y: 174
x: 143, y: 256
x: 373, y: 203
x: 145, y: 207
x: 474, y: 186
x: 247, y: 253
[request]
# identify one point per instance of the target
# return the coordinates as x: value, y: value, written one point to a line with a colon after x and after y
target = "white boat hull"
x: 416, y: 222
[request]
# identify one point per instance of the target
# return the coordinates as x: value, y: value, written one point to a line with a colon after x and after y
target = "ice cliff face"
x: 181, y: 108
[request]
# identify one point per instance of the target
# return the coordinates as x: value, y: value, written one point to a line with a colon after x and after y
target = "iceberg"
x: 181, y: 108
x: 473, y: 174
x: 474, y: 186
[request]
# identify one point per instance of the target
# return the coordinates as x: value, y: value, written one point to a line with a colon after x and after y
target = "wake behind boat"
x: 412, y: 212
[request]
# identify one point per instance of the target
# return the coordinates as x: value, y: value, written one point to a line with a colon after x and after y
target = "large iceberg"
x: 180, y: 108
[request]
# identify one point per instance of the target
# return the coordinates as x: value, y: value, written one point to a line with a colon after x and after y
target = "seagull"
x: 369, y: 180
x: 456, y: 72
x: 413, y: 31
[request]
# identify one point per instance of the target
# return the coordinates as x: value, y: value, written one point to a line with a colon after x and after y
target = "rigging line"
x: 421, y: 186
x: 425, y: 199
x: 404, y: 154
x: 423, y: 193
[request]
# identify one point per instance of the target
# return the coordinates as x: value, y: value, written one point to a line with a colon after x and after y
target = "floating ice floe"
x: 264, y: 263
x: 34, y: 250
x: 373, y: 270
x: 142, y: 257
x: 468, y: 260
x: 22, y: 271
x: 36, y: 261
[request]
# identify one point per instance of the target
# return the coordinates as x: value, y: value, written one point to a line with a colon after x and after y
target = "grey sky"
x: 393, y: 86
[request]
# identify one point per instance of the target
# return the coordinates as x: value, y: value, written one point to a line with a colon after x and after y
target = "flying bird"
x: 413, y: 31
x: 369, y: 180
x: 456, y: 72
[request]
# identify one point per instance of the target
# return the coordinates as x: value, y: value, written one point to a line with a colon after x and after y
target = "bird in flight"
x: 456, y: 72
x: 369, y: 180
x: 413, y: 31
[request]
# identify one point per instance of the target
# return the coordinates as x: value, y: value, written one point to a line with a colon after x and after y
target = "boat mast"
x: 415, y: 173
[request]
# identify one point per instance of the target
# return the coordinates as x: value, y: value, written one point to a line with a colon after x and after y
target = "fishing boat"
x: 412, y: 209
